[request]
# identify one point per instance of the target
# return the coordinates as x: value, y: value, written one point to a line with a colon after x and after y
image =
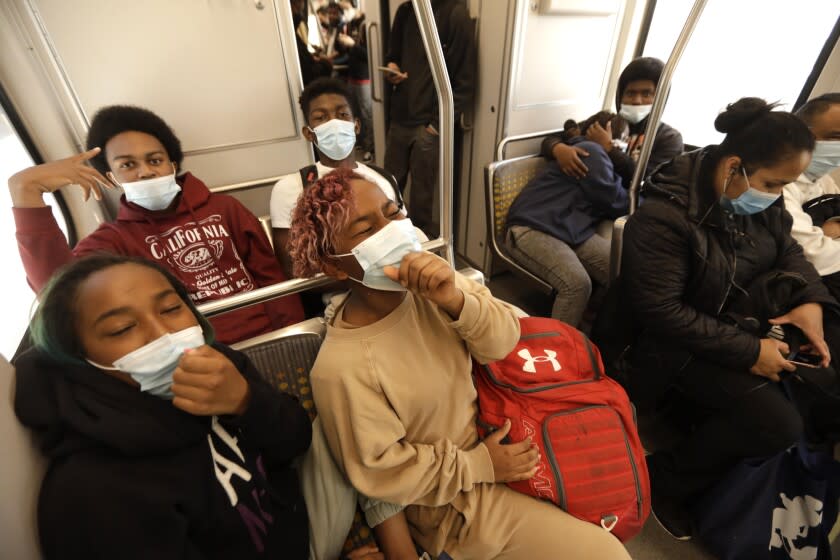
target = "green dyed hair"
x: 53, y: 327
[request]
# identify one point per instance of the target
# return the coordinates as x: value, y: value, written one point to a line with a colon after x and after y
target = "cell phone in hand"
x: 805, y: 359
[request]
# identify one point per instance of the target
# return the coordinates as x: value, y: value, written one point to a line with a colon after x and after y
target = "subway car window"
x: 18, y: 297
x: 749, y: 47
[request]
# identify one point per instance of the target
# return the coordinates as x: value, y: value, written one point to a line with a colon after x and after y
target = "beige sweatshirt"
x: 397, y: 401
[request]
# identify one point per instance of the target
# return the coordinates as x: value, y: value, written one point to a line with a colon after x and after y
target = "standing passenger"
x: 210, y: 241
x: 393, y: 385
x: 413, y: 143
x: 820, y: 242
x: 711, y: 225
x: 634, y: 100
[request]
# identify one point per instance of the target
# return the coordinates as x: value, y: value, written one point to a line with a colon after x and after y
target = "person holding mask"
x: 148, y: 422
x: 820, y: 241
x: 712, y: 224
x: 393, y: 385
x: 634, y: 101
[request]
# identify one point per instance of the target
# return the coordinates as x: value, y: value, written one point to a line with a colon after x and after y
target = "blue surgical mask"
x: 153, y: 194
x: 152, y: 365
x: 826, y: 157
x: 386, y: 247
x: 751, y: 201
x: 634, y: 114
x: 335, y: 138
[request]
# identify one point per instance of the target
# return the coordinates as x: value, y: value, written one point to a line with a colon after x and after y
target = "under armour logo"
x: 550, y: 356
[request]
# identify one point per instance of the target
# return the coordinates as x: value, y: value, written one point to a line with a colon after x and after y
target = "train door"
x: 539, y: 64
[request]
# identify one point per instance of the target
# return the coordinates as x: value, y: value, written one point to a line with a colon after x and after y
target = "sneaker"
x: 668, y: 512
x: 672, y: 517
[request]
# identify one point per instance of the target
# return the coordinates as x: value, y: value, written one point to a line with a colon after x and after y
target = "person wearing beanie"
x: 634, y: 100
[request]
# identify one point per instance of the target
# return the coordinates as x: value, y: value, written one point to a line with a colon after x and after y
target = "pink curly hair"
x: 322, y: 210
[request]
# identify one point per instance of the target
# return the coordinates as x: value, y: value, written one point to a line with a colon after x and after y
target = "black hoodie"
x: 131, y: 476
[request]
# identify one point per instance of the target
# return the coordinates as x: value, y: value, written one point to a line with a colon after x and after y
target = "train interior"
x: 226, y: 76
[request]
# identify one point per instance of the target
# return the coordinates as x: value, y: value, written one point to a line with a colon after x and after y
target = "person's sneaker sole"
x: 667, y: 530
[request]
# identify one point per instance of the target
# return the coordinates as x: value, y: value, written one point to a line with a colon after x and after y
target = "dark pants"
x: 414, y: 151
x: 737, y: 415
x: 832, y: 282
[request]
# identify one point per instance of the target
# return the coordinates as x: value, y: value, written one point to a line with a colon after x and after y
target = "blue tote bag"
x: 780, y: 508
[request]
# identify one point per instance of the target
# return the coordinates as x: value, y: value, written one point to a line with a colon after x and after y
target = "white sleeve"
x: 284, y: 196
x: 821, y: 250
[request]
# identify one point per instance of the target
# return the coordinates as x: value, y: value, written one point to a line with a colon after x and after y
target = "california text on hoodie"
x: 130, y: 476
x: 211, y: 242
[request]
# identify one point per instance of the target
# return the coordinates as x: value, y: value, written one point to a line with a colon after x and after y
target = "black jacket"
x: 414, y: 101
x: 684, y: 262
x: 667, y: 144
x: 131, y: 476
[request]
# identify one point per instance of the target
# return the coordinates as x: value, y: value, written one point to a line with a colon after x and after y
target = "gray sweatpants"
x: 570, y: 270
x: 331, y: 500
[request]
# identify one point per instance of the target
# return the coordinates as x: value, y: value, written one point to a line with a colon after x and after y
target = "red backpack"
x: 553, y: 388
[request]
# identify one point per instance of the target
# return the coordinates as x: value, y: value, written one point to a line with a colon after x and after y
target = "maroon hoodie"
x: 211, y: 242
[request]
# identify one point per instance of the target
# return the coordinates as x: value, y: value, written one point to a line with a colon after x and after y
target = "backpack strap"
x: 391, y: 179
x: 308, y: 175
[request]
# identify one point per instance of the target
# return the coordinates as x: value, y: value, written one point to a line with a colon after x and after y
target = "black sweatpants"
x: 739, y: 415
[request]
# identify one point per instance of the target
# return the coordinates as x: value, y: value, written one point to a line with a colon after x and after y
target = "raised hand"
x: 430, y: 277
x: 27, y: 187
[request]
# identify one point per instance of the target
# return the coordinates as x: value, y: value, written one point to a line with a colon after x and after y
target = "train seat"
x: 503, y: 181
x: 23, y: 468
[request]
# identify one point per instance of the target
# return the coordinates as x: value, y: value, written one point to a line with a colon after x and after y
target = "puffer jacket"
x: 685, y: 260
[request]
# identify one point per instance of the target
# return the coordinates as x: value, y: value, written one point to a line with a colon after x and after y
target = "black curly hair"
x: 323, y: 86
x: 116, y: 119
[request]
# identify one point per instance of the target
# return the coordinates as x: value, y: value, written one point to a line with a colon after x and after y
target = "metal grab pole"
x: 662, y: 90
x: 446, y: 104
x: 293, y: 286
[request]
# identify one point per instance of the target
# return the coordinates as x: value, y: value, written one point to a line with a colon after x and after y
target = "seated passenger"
x: 393, y: 387
x: 162, y: 443
x: 329, y: 110
x: 711, y: 225
x: 210, y: 241
x: 634, y: 100
x: 820, y: 241
x: 551, y: 226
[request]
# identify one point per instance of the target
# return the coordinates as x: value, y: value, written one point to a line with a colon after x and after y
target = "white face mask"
x: 826, y: 157
x: 152, y: 194
x: 152, y: 365
x: 634, y: 114
x: 386, y: 247
x: 335, y: 138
